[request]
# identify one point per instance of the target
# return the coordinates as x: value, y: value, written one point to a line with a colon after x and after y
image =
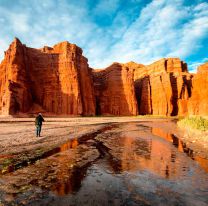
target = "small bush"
x: 198, y: 123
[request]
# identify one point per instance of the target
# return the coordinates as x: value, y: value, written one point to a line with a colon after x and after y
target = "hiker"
x: 38, y: 123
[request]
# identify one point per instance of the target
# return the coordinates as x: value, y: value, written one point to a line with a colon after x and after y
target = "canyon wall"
x: 55, y: 80
x: 114, y: 91
x: 198, y: 103
x: 58, y: 81
x: 15, y: 93
x: 163, y: 88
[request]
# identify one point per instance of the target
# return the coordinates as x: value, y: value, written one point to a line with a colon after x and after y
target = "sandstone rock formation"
x: 163, y: 88
x: 198, y: 103
x: 114, y: 91
x: 56, y: 79
x: 14, y: 85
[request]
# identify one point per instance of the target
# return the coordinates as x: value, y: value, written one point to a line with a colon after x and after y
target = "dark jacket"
x: 38, y: 120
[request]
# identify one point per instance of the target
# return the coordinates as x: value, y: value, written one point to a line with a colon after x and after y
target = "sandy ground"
x: 19, y: 143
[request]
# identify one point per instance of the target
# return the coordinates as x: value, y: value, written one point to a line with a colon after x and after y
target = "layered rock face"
x: 15, y: 92
x: 114, y: 91
x: 56, y: 80
x: 163, y: 88
x: 198, y: 103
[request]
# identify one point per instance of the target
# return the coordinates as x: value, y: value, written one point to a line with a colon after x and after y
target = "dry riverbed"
x: 74, y: 154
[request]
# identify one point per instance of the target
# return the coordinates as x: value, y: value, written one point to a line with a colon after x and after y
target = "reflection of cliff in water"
x: 152, y: 153
x: 132, y: 154
x: 181, y: 146
x: 142, y: 166
x: 70, y: 184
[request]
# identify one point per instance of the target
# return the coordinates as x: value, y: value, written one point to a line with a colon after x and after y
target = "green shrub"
x: 198, y: 123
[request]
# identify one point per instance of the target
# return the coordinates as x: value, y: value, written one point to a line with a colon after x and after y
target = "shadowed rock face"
x: 58, y: 80
x: 114, y: 91
x: 163, y: 88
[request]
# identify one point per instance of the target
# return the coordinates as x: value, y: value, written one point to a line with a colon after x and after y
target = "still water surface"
x: 139, y: 165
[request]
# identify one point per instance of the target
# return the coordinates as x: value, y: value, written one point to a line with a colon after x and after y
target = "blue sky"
x: 111, y: 30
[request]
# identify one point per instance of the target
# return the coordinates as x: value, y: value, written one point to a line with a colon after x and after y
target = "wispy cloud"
x: 163, y: 29
x: 193, y: 65
x: 111, y: 30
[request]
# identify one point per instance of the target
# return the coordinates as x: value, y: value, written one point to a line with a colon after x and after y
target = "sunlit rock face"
x: 163, y: 88
x: 15, y: 86
x: 198, y: 103
x: 114, y: 91
x: 55, y: 80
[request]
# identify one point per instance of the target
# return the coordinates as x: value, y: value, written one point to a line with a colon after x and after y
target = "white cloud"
x: 42, y: 25
x: 194, y: 65
x: 162, y: 28
x: 148, y: 37
x: 191, y: 33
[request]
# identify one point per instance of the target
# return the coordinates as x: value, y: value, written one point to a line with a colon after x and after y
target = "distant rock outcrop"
x: 57, y: 80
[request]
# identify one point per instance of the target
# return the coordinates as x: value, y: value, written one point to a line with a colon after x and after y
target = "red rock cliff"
x: 114, y: 91
x: 163, y: 88
x: 198, y: 104
x: 56, y: 79
x: 15, y: 93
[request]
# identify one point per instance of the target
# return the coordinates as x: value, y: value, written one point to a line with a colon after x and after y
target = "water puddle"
x: 181, y: 146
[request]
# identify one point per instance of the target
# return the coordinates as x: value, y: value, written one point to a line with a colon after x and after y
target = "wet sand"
x: 100, y: 161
